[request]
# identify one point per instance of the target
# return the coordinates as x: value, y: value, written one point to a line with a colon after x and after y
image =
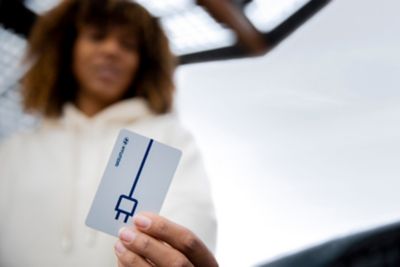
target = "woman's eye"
x: 96, y: 35
x: 129, y: 44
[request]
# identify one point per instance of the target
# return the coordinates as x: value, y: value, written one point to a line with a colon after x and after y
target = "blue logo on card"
x: 126, y: 204
x: 121, y: 152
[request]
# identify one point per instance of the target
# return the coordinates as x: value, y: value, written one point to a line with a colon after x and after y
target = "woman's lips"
x: 107, y: 73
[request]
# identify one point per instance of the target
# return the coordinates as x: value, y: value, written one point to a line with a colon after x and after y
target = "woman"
x: 97, y: 67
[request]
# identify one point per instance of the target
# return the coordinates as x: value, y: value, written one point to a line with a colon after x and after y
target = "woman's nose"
x: 110, y: 45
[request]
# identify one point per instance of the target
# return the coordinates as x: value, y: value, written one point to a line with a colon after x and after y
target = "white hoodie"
x: 48, y: 178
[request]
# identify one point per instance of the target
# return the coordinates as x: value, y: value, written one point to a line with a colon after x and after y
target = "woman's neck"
x: 89, y: 105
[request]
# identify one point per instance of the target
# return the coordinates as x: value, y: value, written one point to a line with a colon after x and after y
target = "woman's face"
x: 105, y: 62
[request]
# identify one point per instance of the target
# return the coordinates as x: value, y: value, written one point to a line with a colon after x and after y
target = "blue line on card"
x: 129, y: 200
x: 141, y: 167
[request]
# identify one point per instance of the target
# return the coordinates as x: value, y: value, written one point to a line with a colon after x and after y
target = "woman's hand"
x: 156, y: 241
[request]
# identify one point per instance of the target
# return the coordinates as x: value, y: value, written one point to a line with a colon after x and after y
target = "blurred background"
x: 303, y: 144
x: 302, y: 141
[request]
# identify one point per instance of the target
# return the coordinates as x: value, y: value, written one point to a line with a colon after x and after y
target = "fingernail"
x: 142, y: 221
x: 119, y: 247
x: 126, y: 235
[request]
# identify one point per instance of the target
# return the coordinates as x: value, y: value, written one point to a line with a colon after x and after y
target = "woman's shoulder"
x: 15, y: 142
x: 11, y: 146
x: 22, y: 139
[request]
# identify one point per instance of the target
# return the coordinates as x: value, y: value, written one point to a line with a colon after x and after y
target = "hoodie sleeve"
x: 189, y: 200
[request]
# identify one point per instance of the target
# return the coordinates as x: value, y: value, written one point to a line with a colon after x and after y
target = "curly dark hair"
x: 50, y: 83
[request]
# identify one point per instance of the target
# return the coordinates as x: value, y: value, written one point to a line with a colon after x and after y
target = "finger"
x: 127, y: 258
x: 152, y: 249
x: 177, y: 236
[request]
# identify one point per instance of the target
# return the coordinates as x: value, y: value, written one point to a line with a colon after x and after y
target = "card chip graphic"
x: 126, y: 203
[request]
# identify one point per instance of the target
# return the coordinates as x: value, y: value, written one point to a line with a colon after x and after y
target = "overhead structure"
x: 201, y: 30
x: 198, y: 30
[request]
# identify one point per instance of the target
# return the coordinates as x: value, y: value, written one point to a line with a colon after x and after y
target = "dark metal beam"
x: 273, y: 38
x: 228, y: 13
x: 16, y: 17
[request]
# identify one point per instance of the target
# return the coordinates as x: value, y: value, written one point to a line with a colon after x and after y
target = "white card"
x: 137, y: 178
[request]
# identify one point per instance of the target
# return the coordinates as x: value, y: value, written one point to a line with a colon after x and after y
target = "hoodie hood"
x: 123, y: 113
